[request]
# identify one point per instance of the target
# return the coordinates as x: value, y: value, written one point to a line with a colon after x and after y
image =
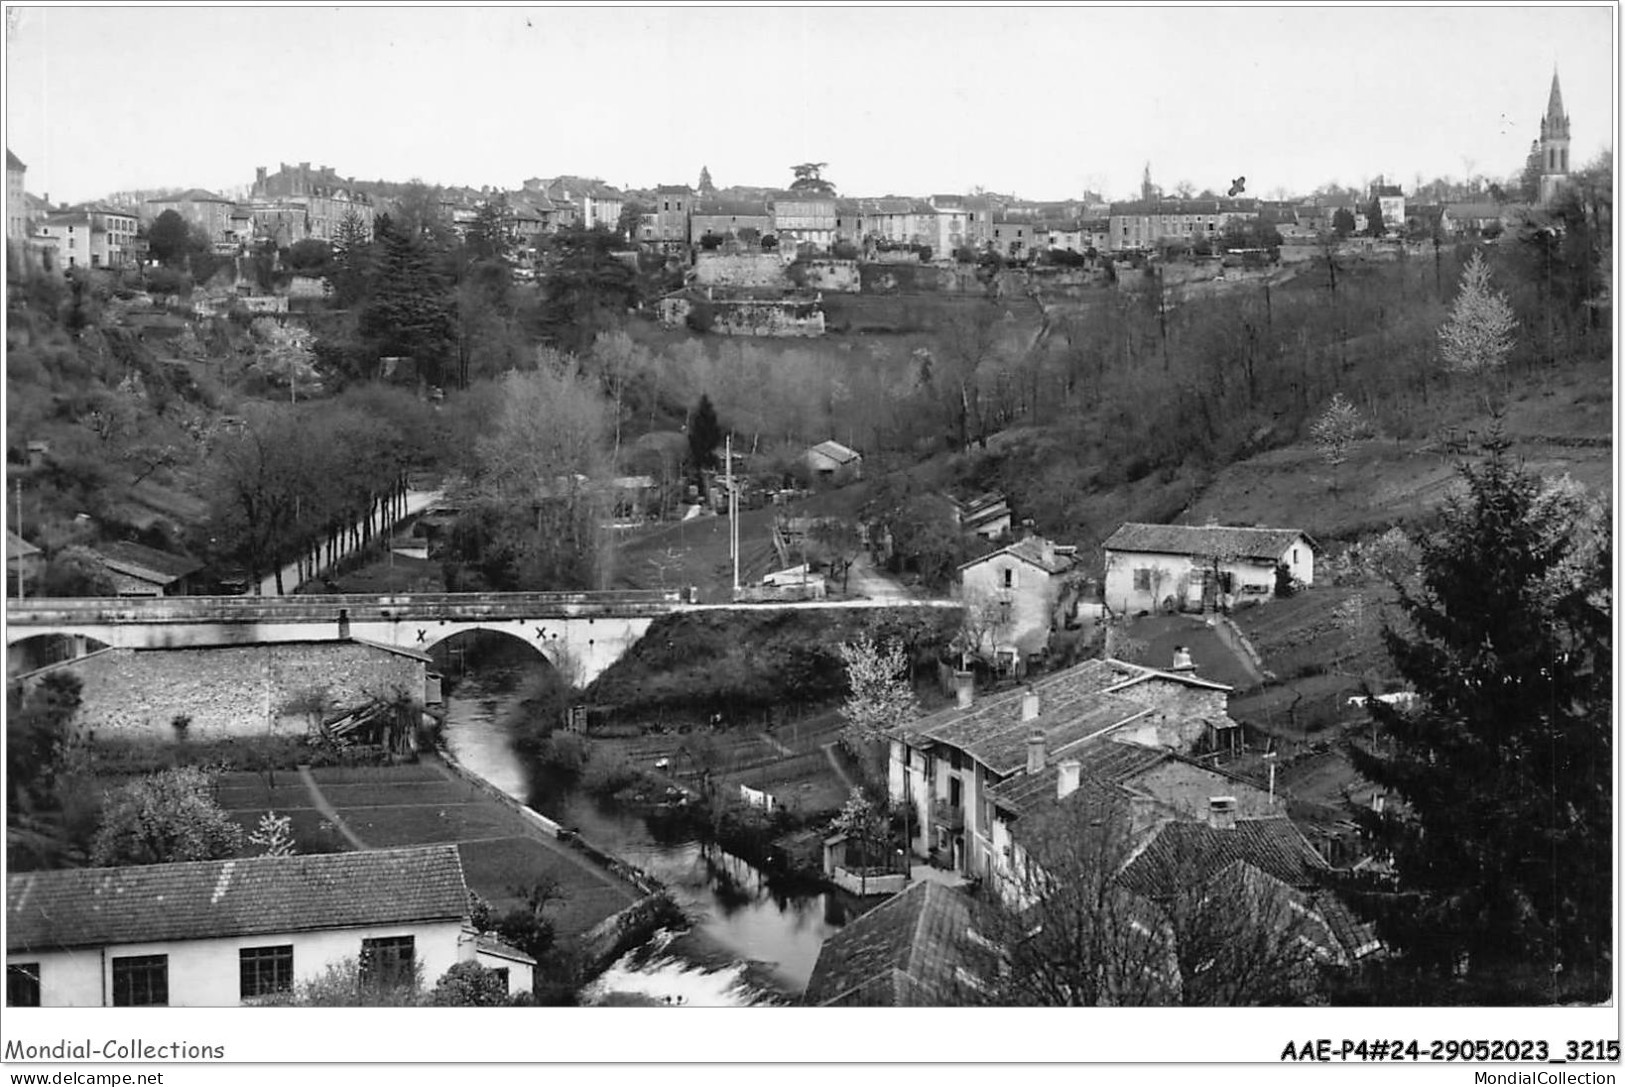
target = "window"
x: 22, y: 984
x: 141, y: 981
x: 1009, y: 576
x: 1294, y: 556
x: 265, y: 970
x: 1142, y: 579
x: 502, y: 975
x: 387, y: 960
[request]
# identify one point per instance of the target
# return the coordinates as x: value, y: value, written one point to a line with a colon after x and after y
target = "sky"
x: 1042, y: 102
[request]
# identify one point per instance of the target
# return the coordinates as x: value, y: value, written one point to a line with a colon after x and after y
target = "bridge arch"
x: 30, y: 649
x: 550, y: 649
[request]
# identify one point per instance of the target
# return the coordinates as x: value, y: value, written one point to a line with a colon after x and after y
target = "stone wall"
x: 918, y: 278
x: 233, y: 690
x: 829, y: 275
x: 740, y: 270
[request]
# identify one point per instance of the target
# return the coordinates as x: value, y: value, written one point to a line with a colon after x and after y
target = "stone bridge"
x: 579, y: 633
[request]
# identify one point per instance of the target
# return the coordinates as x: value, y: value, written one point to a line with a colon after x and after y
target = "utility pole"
x: 21, y: 592
x: 733, y: 511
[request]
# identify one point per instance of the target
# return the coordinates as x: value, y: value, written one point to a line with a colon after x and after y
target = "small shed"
x: 833, y: 462
x: 146, y: 571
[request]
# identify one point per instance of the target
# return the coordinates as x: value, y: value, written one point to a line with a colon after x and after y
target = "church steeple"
x: 1555, y: 125
x: 1553, y: 148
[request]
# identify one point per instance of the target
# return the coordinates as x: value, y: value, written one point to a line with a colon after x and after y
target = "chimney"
x: 1221, y: 812
x: 1035, y: 753
x: 1066, y: 782
x: 259, y: 177
x: 964, y: 689
x: 1029, y: 704
x: 1182, y: 660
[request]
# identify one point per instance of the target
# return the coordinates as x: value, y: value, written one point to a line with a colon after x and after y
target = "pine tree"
x: 706, y: 186
x: 351, y: 266
x: 408, y: 312
x: 1477, y: 336
x: 1500, y: 841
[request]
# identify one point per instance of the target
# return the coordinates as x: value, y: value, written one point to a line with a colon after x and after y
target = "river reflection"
x: 752, y: 940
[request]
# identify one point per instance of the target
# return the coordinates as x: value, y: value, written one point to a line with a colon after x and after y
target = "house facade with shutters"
x: 1023, y: 584
x: 232, y: 932
x: 1195, y: 567
x: 950, y: 768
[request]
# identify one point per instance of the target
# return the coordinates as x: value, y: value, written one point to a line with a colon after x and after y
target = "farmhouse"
x: 223, y: 933
x: 1175, y: 567
x: 1018, y: 588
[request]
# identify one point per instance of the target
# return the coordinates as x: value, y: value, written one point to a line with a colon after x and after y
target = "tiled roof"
x: 1475, y: 211
x: 1390, y: 190
x: 1105, y: 761
x: 13, y: 162
x: 836, y: 452
x: 1206, y: 540
x: 98, y: 907
x: 673, y: 190
x: 490, y: 945
x: 146, y: 563
x: 17, y: 547
x: 1035, y: 550
x: 1186, y: 852
x: 906, y: 952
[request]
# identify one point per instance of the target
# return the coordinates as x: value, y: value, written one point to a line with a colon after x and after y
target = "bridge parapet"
x: 356, y: 607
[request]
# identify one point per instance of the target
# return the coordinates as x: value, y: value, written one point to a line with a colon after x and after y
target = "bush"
x: 469, y: 985
x: 165, y: 817
x: 606, y: 777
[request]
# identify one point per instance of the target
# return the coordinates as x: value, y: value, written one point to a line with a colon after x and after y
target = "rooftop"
x: 1207, y: 540
x: 98, y: 907
x: 1044, y: 554
x: 912, y: 950
x: 1183, y: 852
x: 146, y: 563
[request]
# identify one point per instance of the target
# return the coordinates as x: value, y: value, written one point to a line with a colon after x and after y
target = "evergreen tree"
x: 487, y: 237
x: 704, y: 435
x: 1500, y: 840
x: 1374, y: 226
x: 350, y: 268
x: 1343, y: 222
x: 706, y: 186
x: 407, y: 313
x: 1477, y: 336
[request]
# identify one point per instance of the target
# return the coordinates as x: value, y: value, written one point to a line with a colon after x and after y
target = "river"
x: 749, y: 941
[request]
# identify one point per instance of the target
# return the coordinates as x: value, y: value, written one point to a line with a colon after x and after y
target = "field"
x: 421, y: 804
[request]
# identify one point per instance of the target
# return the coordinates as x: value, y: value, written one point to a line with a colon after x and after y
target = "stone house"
x: 1022, y: 585
x: 1142, y: 224
x: 199, y: 207
x: 1391, y: 200
x: 1012, y: 239
x: 1196, y: 567
x: 243, y: 931
x: 673, y: 205
x: 723, y: 217
x: 804, y: 218
x: 325, y: 198
x: 949, y: 766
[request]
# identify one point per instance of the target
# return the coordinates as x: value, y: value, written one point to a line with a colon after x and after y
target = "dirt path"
x: 321, y: 803
x: 846, y: 779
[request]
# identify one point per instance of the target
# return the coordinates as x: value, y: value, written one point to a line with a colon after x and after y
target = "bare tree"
x: 1084, y: 920
x: 984, y: 616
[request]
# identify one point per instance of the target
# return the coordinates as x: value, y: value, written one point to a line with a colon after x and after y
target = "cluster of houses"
x: 993, y: 786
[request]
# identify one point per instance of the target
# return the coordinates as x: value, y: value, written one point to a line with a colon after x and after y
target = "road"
x: 416, y: 503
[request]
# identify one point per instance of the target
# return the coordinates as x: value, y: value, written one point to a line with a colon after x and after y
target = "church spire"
x: 1554, y: 105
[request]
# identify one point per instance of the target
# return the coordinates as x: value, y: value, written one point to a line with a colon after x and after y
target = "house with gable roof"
x: 834, y: 462
x: 918, y: 949
x: 948, y: 767
x: 1023, y: 583
x: 145, y: 571
x: 1200, y: 566
x: 242, y: 931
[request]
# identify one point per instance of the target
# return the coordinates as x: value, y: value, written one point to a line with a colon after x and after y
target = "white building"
x: 231, y: 932
x: 1149, y: 566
